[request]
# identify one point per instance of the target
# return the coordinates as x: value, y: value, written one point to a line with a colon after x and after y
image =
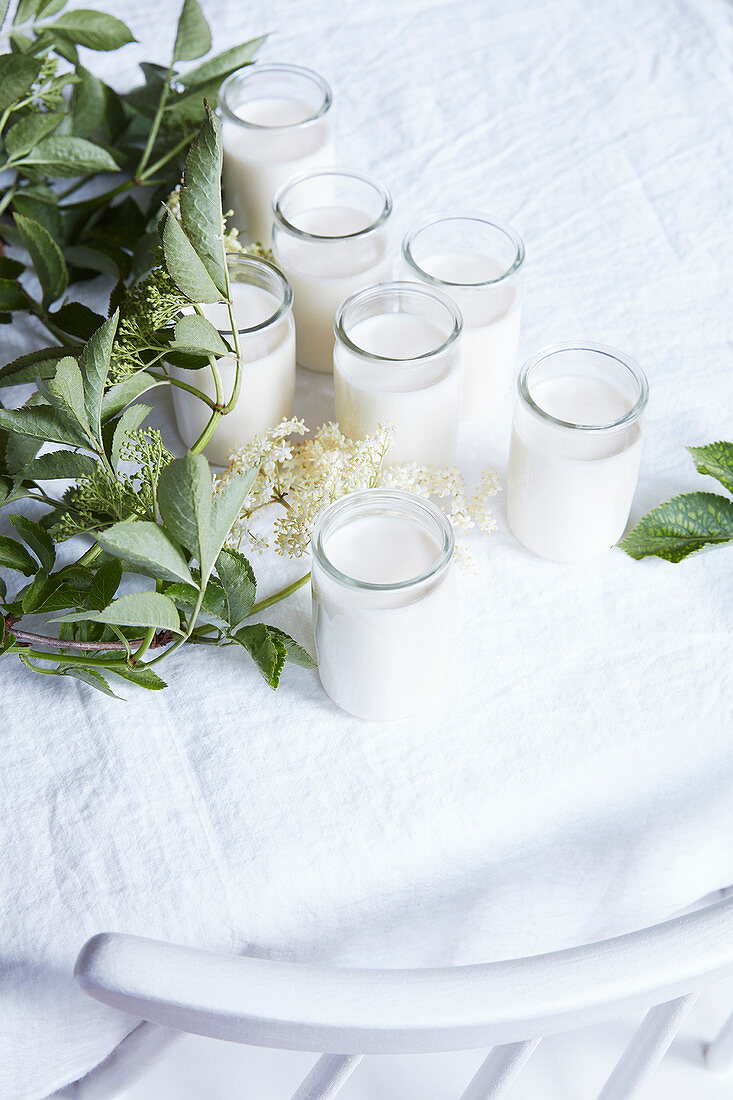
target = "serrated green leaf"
x: 10, y: 269
x: 237, y: 577
x: 46, y: 255
x: 88, y: 103
x: 715, y: 460
x: 216, y: 68
x: 39, y: 540
x: 94, y: 29
x: 196, y: 335
x: 55, y: 465
x: 17, y: 73
x: 77, y: 320
x: 213, y: 607
x: 681, y: 526
x: 143, y: 677
x: 148, y: 547
x: 145, y: 609
x: 28, y: 131
x: 130, y: 421
x: 65, y: 155
x: 226, y: 507
x: 90, y: 676
x: 42, y: 422
x: 268, y: 652
x: 200, y: 200
x: 184, y: 266
x: 296, y: 654
x: 193, y: 37
x: 25, y: 11
x: 104, y: 586
x: 18, y: 451
x: 66, y: 392
x: 40, y: 591
x: 46, y: 214
x: 11, y: 295
x: 117, y: 397
x: 92, y: 259
x: 94, y: 364
x: 184, y: 501
x: 13, y: 555
x: 34, y: 364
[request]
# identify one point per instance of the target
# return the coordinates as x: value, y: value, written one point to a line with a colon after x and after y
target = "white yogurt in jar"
x: 382, y: 602
x: 570, y: 488
x: 406, y: 375
x: 267, y: 344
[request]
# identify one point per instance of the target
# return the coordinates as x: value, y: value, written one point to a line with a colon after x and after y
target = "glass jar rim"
x: 369, y: 501
x: 402, y: 287
x: 629, y: 364
x: 435, y: 219
x: 257, y: 68
x: 257, y: 263
x: 347, y: 173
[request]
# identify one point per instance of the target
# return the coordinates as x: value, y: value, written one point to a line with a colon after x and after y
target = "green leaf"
x: 55, y: 465
x: 193, y: 37
x: 25, y: 11
x: 34, y: 364
x: 196, y: 335
x: 92, y: 259
x: 65, y: 155
x: 88, y: 103
x: 184, y: 500
x: 11, y: 295
x: 46, y: 255
x: 681, y: 526
x: 213, y: 607
x: 216, y: 68
x: 130, y: 421
x: 267, y: 651
x: 143, y: 677
x: 94, y: 29
x: 94, y: 364
x: 10, y: 269
x: 38, y: 540
x: 17, y: 73
x: 26, y: 133
x: 716, y: 460
x: 13, y: 555
x: 40, y: 591
x: 237, y: 576
x: 90, y: 676
x: 184, y: 266
x: 117, y: 397
x: 77, y: 320
x: 142, y: 609
x: 42, y: 422
x: 49, y: 7
x: 104, y: 586
x: 226, y: 507
x: 31, y: 205
x: 148, y: 547
x: 66, y: 392
x: 200, y: 199
x: 296, y: 654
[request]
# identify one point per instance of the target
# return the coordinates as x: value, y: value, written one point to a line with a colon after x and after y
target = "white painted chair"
x: 352, y: 1013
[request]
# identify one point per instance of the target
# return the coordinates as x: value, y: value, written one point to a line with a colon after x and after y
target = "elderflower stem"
x: 281, y: 595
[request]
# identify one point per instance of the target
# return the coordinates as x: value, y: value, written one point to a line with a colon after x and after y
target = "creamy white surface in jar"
x: 491, y: 322
x: 260, y: 158
x: 324, y: 272
x: 268, y: 375
x: 421, y: 399
x: 382, y: 656
x: 569, y: 492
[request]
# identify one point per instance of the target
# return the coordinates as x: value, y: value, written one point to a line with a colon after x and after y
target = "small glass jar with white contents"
x: 262, y: 304
x: 575, y: 450
x: 479, y: 262
x: 276, y: 121
x: 330, y: 236
x: 382, y: 602
x: 397, y: 361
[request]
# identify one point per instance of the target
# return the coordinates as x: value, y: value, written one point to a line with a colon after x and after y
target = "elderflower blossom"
x: 304, y: 475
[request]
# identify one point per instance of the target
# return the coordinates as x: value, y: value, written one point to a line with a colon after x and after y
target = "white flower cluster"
x: 304, y: 475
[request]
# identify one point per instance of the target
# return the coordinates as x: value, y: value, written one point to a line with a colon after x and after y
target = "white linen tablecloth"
x: 576, y: 777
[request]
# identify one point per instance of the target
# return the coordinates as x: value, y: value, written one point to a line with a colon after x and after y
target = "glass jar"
x: 330, y: 236
x: 276, y: 121
x: 480, y: 263
x: 382, y: 602
x: 397, y: 361
x: 575, y: 450
x: 262, y: 304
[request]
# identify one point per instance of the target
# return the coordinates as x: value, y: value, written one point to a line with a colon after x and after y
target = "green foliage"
x: 150, y: 515
x: 691, y: 521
